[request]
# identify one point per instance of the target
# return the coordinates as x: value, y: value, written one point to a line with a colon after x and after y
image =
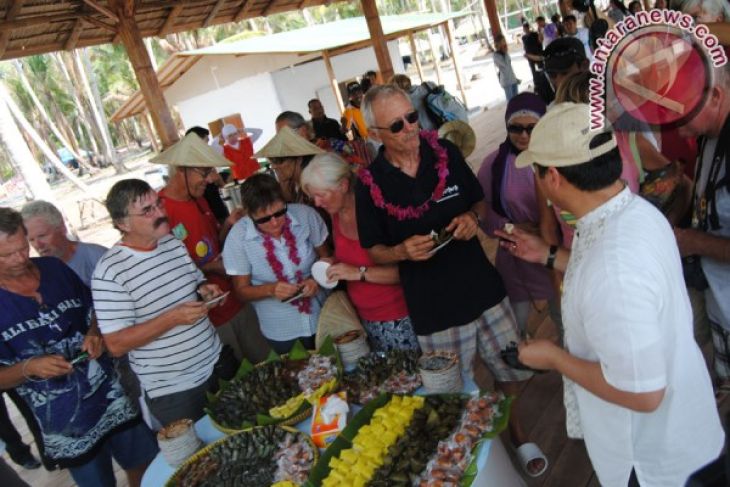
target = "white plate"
x: 319, y: 273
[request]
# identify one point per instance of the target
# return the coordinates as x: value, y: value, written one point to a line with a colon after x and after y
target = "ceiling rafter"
x: 73, y: 38
x: 169, y: 24
x: 213, y: 13
x: 12, y: 12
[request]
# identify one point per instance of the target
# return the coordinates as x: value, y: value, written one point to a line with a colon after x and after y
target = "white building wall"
x: 297, y: 85
x: 259, y: 88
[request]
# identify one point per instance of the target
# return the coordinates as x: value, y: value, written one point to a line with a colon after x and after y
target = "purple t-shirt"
x: 524, y: 281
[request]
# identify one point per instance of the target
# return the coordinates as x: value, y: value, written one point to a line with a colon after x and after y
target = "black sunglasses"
x: 398, y: 125
x: 267, y: 218
x: 518, y: 129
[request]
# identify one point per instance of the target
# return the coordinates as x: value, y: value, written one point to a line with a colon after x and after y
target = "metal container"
x: 231, y: 196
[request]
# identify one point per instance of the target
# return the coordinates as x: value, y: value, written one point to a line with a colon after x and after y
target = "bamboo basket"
x: 442, y: 381
x: 178, y: 441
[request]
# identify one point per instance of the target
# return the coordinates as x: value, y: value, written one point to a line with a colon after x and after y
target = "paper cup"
x: 319, y: 273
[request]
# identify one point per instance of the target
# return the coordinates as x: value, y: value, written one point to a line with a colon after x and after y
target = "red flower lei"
x: 410, y: 212
x: 304, y: 305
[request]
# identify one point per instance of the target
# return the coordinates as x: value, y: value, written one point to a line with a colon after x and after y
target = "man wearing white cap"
x: 238, y: 149
x: 636, y: 385
x: 192, y: 166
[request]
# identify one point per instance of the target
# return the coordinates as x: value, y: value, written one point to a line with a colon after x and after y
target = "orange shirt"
x: 354, y: 115
x: 244, y: 165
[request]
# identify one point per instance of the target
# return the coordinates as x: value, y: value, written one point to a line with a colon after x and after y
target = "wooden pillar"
x: 493, y: 17
x: 333, y: 81
x: 370, y: 9
x: 145, y: 118
x: 436, y: 58
x: 455, y: 59
x: 148, y: 83
x: 414, y: 53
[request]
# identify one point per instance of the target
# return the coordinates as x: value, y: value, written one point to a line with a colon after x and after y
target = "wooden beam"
x: 455, y: 60
x: 73, y: 38
x: 99, y: 23
x: 493, y: 17
x: 333, y: 81
x: 301, y: 4
x: 169, y: 24
x: 414, y: 53
x: 11, y: 12
x: 436, y: 58
x: 245, y: 7
x: 213, y: 13
x: 385, y: 65
x: 146, y: 76
x: 268, y: 8
x: 103, y: 10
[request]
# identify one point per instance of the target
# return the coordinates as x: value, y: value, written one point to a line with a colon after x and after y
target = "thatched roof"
x: 31, y: 27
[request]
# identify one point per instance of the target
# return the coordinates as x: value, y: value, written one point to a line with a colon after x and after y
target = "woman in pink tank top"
x: 374, y: 289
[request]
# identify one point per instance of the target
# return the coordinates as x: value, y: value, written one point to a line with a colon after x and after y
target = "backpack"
x: 442, y: 106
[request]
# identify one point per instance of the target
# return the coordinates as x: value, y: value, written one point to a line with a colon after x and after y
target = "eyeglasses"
x: 204, y: 173
x: 518, y: 129
x: 400, y: 124
x: 267, y: 218
x: 150, y: 210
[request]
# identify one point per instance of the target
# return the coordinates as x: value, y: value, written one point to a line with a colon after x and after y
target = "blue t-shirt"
x: 77, y: 410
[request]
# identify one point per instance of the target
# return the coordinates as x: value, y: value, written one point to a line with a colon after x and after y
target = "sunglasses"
x: 398, y: 125
x: 204, y: 173
x: 518, y: 129
x: 267, y: 218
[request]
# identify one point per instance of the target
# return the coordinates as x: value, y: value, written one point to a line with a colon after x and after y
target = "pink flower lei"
x: 304, y: 305
x: 410, y: 212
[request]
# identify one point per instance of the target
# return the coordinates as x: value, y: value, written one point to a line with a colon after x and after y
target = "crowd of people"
x: 103, y: 346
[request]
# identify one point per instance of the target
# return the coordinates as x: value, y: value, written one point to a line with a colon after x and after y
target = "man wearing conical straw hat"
x: 288, y: 153
x: 192, y: 166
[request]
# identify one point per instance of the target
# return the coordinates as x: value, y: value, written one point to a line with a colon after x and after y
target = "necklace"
x: 412, y: 212
x: 304, y: 305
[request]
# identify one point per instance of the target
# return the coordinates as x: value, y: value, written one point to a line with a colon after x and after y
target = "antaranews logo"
x: 653, y: 68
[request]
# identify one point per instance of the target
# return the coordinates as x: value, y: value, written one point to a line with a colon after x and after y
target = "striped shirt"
x: 244, y: 255
x: 131, y: 287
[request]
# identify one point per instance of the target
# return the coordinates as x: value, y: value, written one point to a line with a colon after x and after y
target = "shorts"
x: 131, y: 447
x: 490, y: 333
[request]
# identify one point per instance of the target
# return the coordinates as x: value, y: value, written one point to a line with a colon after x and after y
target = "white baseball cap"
x: 562, y: 137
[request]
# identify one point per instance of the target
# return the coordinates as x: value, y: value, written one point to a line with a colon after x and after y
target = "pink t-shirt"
x: 373, y: 302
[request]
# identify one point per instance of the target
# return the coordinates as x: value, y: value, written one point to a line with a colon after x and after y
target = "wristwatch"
x: 362, y: 270
x: 550, y: 263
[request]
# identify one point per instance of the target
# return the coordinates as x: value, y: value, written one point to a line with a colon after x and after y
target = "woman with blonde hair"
x: 373, y: 289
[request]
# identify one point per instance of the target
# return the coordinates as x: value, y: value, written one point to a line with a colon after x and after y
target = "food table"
x: 495, y: 466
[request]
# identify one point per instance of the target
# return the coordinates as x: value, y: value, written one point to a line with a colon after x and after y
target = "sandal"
x: 529, y: 452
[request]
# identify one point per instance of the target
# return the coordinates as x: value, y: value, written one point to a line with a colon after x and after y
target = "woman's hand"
x: 310, y: 288
x: 284, y: 290
x: 209, y: 291
x: 464, y: 226
x: 343, y: 272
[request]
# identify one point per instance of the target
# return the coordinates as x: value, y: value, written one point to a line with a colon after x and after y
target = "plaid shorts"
x: 721, y: 346
x: 490, y: 334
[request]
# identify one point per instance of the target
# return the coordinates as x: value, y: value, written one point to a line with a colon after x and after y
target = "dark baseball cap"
x: 562, y: 53
x: 353, y: 86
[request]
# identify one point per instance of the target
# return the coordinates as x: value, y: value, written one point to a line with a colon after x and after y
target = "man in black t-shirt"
x: 324, y: 127
x: 418, y: 185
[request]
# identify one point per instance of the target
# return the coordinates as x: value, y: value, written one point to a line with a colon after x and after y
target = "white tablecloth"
x: 495, y: 467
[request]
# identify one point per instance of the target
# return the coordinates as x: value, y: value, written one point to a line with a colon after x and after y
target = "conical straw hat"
x: 287, y: 143
x: 461, y: 134
x: 337, y: 316
x: 191, y: 151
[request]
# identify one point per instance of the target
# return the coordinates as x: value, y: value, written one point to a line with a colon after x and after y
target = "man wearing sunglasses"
x: 192, y: 166
x: 418, y: 185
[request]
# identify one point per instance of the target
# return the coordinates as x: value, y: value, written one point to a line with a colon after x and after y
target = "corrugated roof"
x: 323, y: 37
x: 338, y: 36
